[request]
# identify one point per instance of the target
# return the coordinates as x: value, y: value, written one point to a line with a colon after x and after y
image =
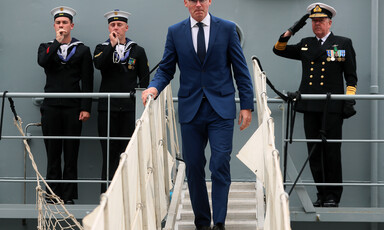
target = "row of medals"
x: 130, y: 63
x: 334, y: 55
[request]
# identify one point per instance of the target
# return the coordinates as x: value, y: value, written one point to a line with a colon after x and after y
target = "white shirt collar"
x: 206, y: 21
x: 324, y: 38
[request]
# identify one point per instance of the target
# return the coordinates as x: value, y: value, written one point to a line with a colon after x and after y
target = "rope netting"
x: 52, y: 214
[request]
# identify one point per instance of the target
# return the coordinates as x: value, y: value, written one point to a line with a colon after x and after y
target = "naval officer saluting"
x: 327, y: 60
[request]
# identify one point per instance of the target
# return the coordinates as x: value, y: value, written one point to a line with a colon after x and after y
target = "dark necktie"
x: 201, y: 42
x: 319, y: 42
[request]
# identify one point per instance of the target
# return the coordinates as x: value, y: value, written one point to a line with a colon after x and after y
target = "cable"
x: 149, y: 73
x: 12, y: 105
x: 324, y: 141
x: 2, y: 113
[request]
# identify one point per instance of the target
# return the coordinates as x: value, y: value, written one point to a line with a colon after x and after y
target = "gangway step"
x: 239, y: 215
x: 233, y: 194
x: 229, y: 225
x: 239, y: 204
x: 234, y: 186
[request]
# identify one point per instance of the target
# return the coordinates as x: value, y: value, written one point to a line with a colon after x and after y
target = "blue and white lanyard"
x: 121, y: 52
x: 63, y: 51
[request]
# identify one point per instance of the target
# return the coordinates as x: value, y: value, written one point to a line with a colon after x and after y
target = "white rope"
x: 119, y: 53
x: 116, y: 56
x: 42, y: 196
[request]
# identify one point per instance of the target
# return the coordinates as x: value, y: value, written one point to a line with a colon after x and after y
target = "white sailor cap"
x: 321, y: 10
x: 63, y: 11
x: 117, y: 15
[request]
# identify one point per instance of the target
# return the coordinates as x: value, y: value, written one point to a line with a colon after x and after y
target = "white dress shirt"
x: 323, y: 39
x: 195, y: 29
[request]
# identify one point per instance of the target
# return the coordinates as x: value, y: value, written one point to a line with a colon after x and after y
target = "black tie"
x: 319, y: 42
x: 201, y: 42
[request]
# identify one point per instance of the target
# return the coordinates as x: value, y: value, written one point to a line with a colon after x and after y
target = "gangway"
x: 305, y: 212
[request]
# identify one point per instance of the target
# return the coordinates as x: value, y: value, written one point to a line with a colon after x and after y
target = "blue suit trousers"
x: 206, y: 126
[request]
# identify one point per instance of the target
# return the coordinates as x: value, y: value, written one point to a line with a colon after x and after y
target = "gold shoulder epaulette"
x: 280, y: 45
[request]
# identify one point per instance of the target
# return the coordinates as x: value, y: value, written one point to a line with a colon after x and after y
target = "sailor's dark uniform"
x: 119, y: 74
x: 69, y: 73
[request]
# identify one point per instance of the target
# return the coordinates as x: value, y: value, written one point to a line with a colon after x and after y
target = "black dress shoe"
x: 318, y: 203
x: 69, y: 201
x: 218, y: 226
x: 330, y: 204
x: 203, y: 228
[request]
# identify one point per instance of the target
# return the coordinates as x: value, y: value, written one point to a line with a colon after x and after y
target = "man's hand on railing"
x: 150, y: 91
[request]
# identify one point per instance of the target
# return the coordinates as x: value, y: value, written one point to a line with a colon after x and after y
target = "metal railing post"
x: 375, y: 103
x: 108, y: 139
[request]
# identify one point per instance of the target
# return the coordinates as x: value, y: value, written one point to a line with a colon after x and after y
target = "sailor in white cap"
x: 117, y: 25
x: 329, y: 66
x: 63, y: 18
x: 63, y: 11
x: 67, y: 63
x: 123, y: 63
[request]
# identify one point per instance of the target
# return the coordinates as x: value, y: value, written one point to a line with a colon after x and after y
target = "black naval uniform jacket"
x: 121, y: 77
x: 321, y: 74
x: 73, y: 76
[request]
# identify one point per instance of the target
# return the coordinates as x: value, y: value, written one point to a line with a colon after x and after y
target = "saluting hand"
x: 299, y: 24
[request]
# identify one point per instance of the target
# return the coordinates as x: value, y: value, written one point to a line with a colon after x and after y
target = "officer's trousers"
x: 325, y: 162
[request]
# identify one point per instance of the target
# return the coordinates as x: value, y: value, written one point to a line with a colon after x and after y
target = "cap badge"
x: 317, y: 9
x: 115, y: 13
x: 61, y: 9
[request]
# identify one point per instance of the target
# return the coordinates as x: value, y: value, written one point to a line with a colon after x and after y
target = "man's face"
x: 119, y: 27
x: 198, y: 8
x: 63, y: 23
x: 321, y: 26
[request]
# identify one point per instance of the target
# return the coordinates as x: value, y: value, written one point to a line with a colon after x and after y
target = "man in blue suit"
x: 206, y: 49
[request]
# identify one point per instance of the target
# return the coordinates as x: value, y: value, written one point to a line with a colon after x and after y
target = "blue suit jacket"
x: 213, y: 78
